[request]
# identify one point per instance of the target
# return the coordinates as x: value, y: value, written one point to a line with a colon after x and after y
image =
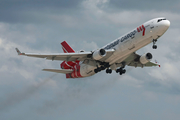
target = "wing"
x: 65, y: 71
x: 132, y: 61
x: 81, y: 56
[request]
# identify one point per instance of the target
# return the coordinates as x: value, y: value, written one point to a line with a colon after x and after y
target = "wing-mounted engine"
x: 145, y: 58
x: 98, y: 54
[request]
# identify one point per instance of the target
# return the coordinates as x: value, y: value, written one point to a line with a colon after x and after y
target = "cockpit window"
x: 159, y: 20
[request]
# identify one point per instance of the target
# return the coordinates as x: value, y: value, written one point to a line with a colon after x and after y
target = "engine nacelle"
x: 98, y: 54
x: 145, y: 58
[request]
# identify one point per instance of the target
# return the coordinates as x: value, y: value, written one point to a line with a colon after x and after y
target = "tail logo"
x: 74, y: 65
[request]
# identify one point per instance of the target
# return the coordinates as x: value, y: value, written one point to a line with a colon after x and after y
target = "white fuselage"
x: 129, y: 43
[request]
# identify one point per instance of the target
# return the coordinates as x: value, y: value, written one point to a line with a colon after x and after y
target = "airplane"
x: 113, y: 56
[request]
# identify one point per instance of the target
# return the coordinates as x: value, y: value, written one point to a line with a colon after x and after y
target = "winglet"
x: 18, y: 51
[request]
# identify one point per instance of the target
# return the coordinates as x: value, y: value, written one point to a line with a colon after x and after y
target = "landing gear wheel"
x: 121, y: 71
x: 108, y: 71
x: 124, y: 71
x: 154, y: 42
x: 154, y: 47
x: 98, y: 69
x: 95, y: 70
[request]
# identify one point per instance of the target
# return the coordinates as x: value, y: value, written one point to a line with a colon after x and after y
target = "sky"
x: 39, y: 26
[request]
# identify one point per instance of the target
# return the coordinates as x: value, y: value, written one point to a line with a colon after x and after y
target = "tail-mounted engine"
x: 145, y: 58
x: 98, y: 54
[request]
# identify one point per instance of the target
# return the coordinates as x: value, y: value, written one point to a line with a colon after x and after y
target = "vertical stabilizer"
x: 66, y: 48
x: 68, y: 64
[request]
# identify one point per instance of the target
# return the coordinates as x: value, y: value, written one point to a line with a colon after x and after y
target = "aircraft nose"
x: 163, y: 25
x: 166, y: 23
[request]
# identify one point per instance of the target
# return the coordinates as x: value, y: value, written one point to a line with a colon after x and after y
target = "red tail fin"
x: 70, y: 64
x: 66, y: 48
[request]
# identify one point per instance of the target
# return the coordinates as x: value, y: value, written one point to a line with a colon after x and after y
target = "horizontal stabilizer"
x: 65, y: 71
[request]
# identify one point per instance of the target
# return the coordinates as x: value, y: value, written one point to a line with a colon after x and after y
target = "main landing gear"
x: 98, y: 69
x: 154, y: 42
x: 108, y: 70
x: 121, y: 71
x: 103, y: 67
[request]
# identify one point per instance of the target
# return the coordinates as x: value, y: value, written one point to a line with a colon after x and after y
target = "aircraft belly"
x: 86, y: 70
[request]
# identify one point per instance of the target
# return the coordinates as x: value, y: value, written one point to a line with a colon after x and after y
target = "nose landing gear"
x: 154, y: 42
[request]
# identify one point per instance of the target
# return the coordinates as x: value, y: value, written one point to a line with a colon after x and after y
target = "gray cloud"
x: 72, y: 94
x: 16, y: 98
x: 32, y: 11
x: 158, y: 5
x: 35, y: 27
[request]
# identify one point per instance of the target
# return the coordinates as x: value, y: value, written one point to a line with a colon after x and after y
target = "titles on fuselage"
x: 131, y: 34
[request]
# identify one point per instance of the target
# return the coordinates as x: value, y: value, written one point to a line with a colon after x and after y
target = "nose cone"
x: 163, y: 26
x: 166, y: 23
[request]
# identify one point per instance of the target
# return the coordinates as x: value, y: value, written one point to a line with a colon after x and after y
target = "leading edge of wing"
x: 65, y: 71
x: 62, y: 56
x: 56, y: 54
x: 51, y: 54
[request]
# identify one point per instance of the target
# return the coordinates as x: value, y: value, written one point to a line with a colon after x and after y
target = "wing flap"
x: 65, y: 71
x: 149, y: 64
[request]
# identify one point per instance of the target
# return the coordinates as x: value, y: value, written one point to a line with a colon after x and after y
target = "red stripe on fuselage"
x: 68, y: 76
x: 138, y: 30
x: 143, y: 30
x: 78, y: 70
x: 68, y: 65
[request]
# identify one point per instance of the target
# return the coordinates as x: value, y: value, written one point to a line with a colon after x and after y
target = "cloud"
x: 16, y: 98
x: 18, y: 11
x: 38, y: 27
x: 72, y: 94
x: 144, y: 5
